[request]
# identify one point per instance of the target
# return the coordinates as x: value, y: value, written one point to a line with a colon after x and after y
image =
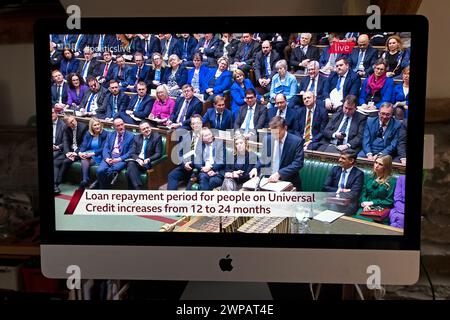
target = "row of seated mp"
x: 317, y: 165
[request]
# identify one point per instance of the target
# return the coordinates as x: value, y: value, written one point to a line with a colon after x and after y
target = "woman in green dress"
x: 378, y: 191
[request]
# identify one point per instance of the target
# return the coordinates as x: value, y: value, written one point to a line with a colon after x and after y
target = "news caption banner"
x: 199, y: 203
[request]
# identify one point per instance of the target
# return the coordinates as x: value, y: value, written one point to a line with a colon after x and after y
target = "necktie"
x: 84, y: 70
x: 360, y: 59
x: 342, y: 182
x: 59, y: 93
x: 105, y: 71
x: 308, y: 126
x: 138, y: 73
x: 144, y: 148
x: 276, y: 157
x: 304, y: 49
x: 185, y: 49
x: 311, y: 88
x: 338, y: 86
x: 114, y: 106
x: 119, y: 142
x: 218, y: 120
x: 380, y: 132
x: 102, y: 39
x: 138, y: 105
x: 147, y: 44
x: 74, y: 139
x: 119, y: 74
x: 267, y: 66
x: 249, y: 116
x: 182, y: 115
x: 194, y: 139
x: 88, y: 108
x: 246, y: 49
x: 344, y: 129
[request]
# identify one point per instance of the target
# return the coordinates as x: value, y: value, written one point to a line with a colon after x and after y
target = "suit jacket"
x: 355, y: 182
x: 325, y: 56
x: 355, y: 132
x: 208, y: 51
x: 55, y: 60
x: 180, y: 76
x: 122, y: 78
x: 260, y: 67
x: 218, y: 153
x: 370, y: 58
x: 291, y: 119
x: 249, y: 58
x: 291, y: 160
x: 59, y: 138
x: 131, y: 77
x: 100, y: 98
x: 153, y: 149
x: 84, y: 41
x: 386, y: 145
x: 135, y: 45
x: 297, y: 56
x: 151, y: 76
x: 108, y: 41
x: 319, y: 84
x: 195, y: 107
x: 69, y: 66
x: 68, y: 137
x: 144, y: 109
x: 154, y: 46
x: 250, y: 162
x: 223, y: 82
x: 190, y: 48
x: 173, y: 47
x: 399, y: 95
x: 55, y: 94
x: 259, y: 117
x: 87, y: 140
x: 231, y: 49
x: 238, y: 94
x: 226, y: 121
x: 402, y: 139
x: 320, y: 120
x: 202, y: 75
x: 385, y: 92
x: 93, y: 69
x: 109, y: 75
x: 352, y: 84
x: 125, y: 151
x: 108, y: 104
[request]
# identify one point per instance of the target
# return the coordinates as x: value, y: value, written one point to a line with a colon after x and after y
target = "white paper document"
x: 328, y: 216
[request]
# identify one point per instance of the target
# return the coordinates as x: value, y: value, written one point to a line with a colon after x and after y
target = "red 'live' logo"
x: 341, y: 47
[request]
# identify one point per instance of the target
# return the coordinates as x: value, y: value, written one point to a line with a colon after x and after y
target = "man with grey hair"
x: 363, y: 57
x: 304, y: 53
x: 314, y: 83
x: 90, y: 66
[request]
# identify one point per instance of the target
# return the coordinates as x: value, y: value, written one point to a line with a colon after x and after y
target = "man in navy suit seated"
x: 115, y: 102
x: 206, y: 47
x: 251, y: 116
x: 186, y: 106
x: 311, y: 121
x: 146, y: 148
x: 90, y: 66
x: 340, y: 84
x: 303, y: 53
x: 345, y: 129
x: 150, y: 44
x: 184, y: 153
x: 289, y: 114
x: 107, y: 69
x: 265, y: 65
x: 186, y: 46
x: 218, y: 117
x: 209, y: 160
x: 314, y: 82
x: 59, y: 91
x: 381, y: 134
x: 363, y: 57
x: 139, y: 107
x: 285, y: 160
x: 246, y: 52
x: 346, y: 181
x: 121, y: 72
x: 116, y: 150
x: 169, y: 46
x: 137, y: 73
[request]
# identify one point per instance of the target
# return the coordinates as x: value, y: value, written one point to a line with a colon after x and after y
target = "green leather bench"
x: 74, y: 173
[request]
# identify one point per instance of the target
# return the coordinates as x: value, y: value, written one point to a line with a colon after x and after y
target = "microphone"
x: 257, y: 188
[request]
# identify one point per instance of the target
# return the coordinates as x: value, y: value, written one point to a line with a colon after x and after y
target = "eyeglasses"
x: 252, y: 97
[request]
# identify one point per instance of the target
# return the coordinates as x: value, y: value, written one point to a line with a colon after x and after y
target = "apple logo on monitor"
x: 225, y: 263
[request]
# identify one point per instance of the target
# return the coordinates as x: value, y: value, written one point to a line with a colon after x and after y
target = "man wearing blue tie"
x: 139, y: 107
x: 281, y: 156
x: 363, y: 57
x: 346, y: 181
x: 218, y: 117
x: 146, y: 148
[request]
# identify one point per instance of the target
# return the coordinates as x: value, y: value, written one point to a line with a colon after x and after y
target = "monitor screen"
x: 293, y: 138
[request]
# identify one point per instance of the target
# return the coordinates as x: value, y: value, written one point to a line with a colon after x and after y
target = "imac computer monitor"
x: 260, y: 149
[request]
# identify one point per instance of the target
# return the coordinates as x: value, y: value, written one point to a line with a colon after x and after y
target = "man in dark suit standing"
x: 381, y: 134
x: 265, y: 65
x: 115, y: 102
x: 116, y: 150
x: 289, y: 114
x: 185, y: 107
x: 246, y: 52
x: 146, y: 148
x: 312, y: 120
x: 73, y: 137
x: 184, y: 153
x: 209, y: 160
x: 340, y: 84
x: 218, y: 117
x: 304, y: 53
x: 251, y: 116
x: 345, y: 129
x: 363, y: 57
x: 139, y: 107
x: 58, y: 147
x: 282, y: 155
x: 346, y: 181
